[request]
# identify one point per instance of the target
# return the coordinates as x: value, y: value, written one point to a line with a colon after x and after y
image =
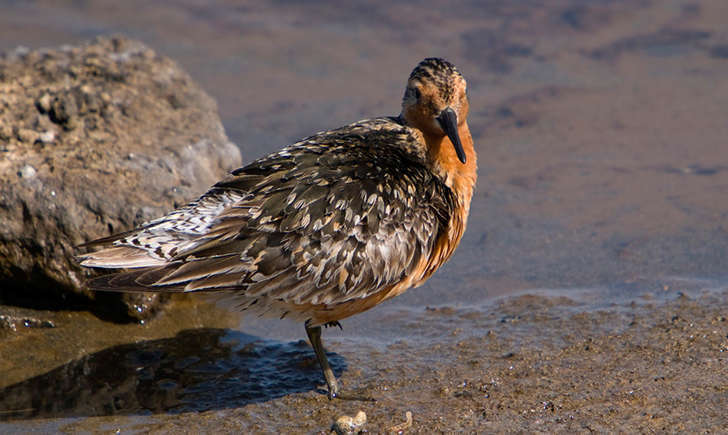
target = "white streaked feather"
x: 121, y: 257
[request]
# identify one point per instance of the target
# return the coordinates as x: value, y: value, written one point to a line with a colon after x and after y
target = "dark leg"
x: 314, y: 335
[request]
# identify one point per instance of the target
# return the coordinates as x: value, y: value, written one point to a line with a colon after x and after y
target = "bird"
x: 325, y: 228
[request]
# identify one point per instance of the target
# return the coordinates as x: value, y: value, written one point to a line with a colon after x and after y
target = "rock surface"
x: 95, y: 139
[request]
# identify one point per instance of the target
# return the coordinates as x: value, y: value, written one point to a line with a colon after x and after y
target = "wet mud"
x: 589, y: 292
x: 197, y: 369
x: 533, y: 362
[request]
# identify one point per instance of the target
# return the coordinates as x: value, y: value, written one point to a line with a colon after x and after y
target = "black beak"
x: 448, y: 120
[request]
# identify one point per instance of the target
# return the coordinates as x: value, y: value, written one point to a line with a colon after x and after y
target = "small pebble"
x: 21, y: 51
x: 47, y: 136
x: 27, y: 135
x: 6, y: 132
x: 6, y: 322
x: 27, y: 171
x: 349, y: 425
x: 44, y: 103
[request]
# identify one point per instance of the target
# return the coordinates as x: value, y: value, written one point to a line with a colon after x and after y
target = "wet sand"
x: 533, y: 362
x: 589, y: 292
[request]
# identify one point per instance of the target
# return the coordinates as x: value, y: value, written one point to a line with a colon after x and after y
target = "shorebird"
x: 325, y: 228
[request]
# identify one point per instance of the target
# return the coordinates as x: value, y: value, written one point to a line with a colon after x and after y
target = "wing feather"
x: 336, y: 217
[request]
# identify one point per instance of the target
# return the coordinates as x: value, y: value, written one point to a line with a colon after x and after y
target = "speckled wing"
x: 335, y: 217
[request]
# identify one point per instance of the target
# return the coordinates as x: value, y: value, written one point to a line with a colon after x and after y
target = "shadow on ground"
x: 198, y: 370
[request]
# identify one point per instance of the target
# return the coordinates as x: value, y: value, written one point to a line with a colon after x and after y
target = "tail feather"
x: 144, y: 280
x: 120, y: 257
x: 133, y: 281
x: 106, y: 240
x: 130, y: 281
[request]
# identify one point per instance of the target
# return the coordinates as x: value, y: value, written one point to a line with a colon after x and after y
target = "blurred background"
x: 600, y: 125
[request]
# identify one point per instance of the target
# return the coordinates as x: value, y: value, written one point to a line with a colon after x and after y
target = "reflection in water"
x: 197, y: 370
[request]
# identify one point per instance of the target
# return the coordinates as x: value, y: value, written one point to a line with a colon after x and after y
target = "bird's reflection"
x: 197, y: 370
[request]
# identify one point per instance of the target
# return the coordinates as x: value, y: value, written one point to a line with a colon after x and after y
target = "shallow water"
x: 600, y: 128
x: 559, y: 360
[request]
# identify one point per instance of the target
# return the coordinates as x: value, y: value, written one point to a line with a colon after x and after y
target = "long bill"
x: 448, y: 120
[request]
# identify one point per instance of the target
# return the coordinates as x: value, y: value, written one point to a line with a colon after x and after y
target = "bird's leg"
x: 314, y: 335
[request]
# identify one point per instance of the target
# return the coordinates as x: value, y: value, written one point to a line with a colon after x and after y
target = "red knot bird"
x: 325, y: 228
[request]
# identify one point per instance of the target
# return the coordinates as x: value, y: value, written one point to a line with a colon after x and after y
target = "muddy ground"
x: 534, y: 362
x: 589, y: 292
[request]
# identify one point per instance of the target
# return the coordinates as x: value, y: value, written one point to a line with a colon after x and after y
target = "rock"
x: 345, y: 424
x: 44, y: 103
x: 27, y: 135
x: 95, y: 139
x: 27, y: 171
x: 5, y: 132
x: 47, y: 136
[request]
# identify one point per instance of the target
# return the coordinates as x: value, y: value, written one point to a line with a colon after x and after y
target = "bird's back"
x: 335, y: 219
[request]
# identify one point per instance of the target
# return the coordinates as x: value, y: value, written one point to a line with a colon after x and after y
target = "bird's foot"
x: 335, y: 394
x: 357, y: 397
x: 314, y: 335
x: 334, y: 323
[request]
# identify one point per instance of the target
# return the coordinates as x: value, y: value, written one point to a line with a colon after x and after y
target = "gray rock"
x: 95, y: 139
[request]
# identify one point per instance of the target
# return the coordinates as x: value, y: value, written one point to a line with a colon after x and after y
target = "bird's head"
x: 435, y: 101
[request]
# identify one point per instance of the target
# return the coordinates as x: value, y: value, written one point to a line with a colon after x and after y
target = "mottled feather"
x: 332, y: 218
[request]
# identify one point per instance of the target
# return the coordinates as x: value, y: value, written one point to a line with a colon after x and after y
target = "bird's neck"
x: 460, y: 177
